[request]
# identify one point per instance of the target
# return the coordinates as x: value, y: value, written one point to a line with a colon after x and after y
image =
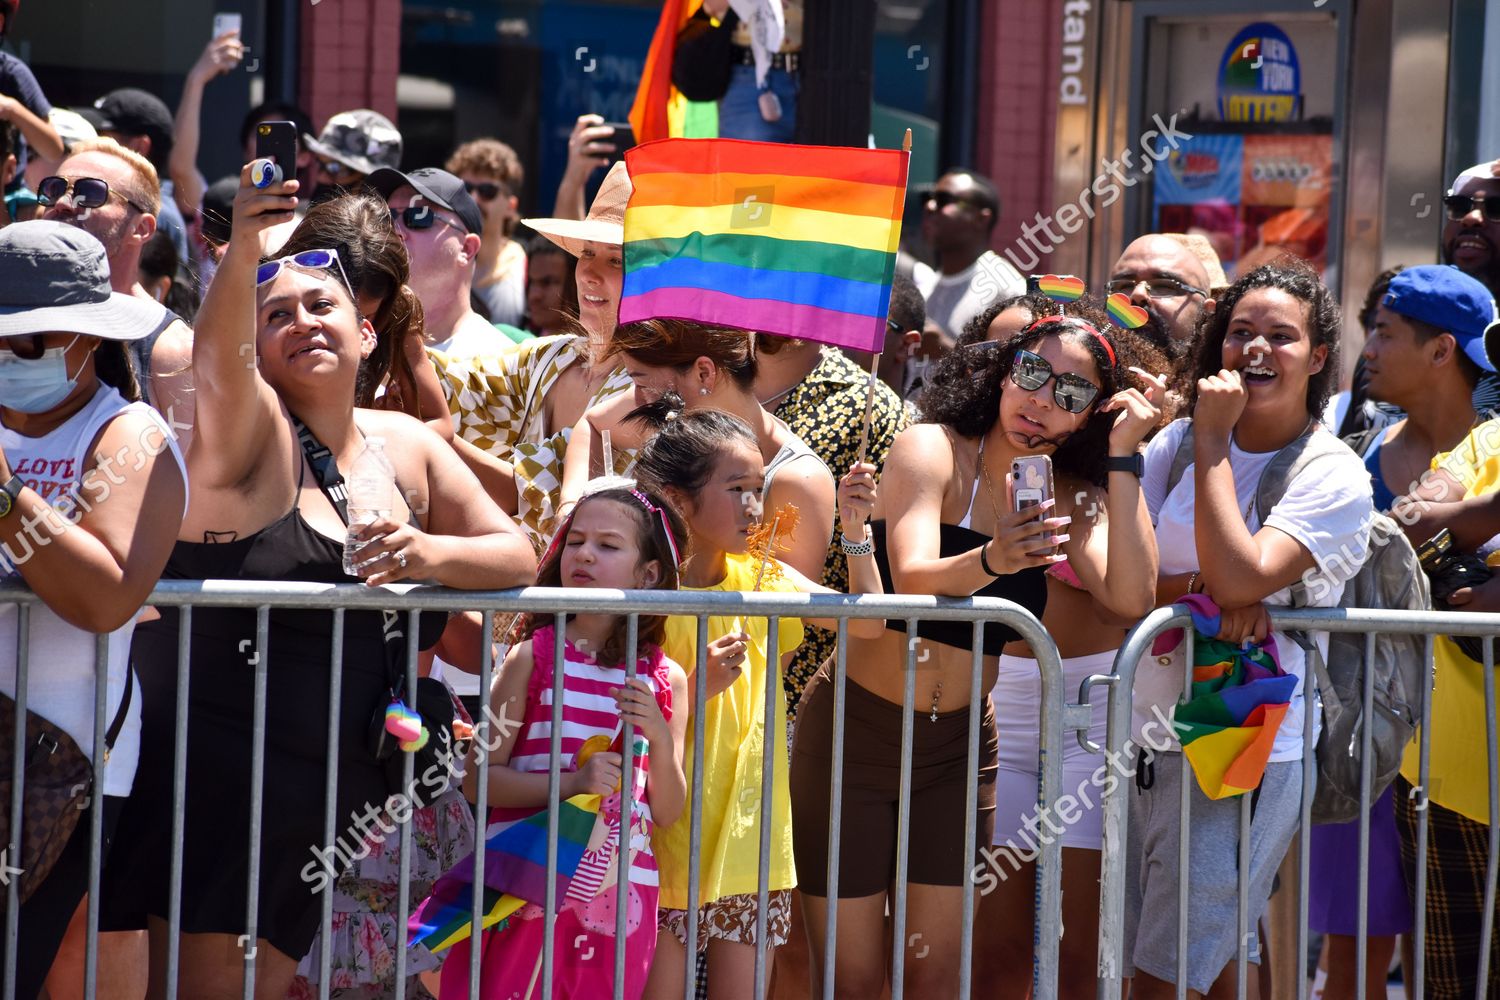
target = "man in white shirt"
x: 960, y: 217
x: 439, y: 222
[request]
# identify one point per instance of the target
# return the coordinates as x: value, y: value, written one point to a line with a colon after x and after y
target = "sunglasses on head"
x: 315, y: 260
x: 1031, y: 371
x: 88, y: 192
x: 419, y: 217
x: 486, y: 190
x: 1460, y: 205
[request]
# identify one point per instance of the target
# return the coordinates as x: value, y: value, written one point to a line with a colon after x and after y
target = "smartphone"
x: 623, y: 139
x: 278, y: 141
x: 1031, y: 480
x: 225, y: 23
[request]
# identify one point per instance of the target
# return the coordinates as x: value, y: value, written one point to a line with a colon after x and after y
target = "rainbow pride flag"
x: 515, y: 873
x: 1240, y: 696
x: 798, y: 241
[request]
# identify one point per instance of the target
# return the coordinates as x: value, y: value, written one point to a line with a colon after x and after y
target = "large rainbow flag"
x: 798, y: 241
x: 1240, y: 696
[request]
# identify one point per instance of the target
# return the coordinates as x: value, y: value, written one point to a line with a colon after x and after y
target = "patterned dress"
x: 497, y: 404
x: 584, y: 934
x: 825, y: 410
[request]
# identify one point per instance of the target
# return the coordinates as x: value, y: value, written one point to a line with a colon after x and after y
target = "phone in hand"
x: 1031, y: 480
x: 225, y: 23
x: 623, y: 139
x: 278, y: 141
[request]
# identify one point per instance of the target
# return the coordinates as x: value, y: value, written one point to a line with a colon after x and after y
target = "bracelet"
x: 985, y: 563
x: 865, y: 547
x: 1192, y: 583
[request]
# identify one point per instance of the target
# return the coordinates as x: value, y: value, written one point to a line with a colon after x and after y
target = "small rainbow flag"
x: 798, y: 241
x: 1240, y: 696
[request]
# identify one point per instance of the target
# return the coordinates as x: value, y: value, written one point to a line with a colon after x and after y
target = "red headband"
x: 1086, y: 325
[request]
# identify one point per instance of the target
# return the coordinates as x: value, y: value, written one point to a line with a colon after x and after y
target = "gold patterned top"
x: 497, y: 404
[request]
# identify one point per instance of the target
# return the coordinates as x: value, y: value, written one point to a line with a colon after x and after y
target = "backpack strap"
x: 1285, y: 466
x: 1181, y: 459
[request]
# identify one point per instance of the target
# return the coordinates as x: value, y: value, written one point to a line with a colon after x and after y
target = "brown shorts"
x: 871, y: 792
x: 732, y: 918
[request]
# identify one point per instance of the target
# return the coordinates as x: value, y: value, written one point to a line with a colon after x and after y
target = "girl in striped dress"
x: 618, y: 538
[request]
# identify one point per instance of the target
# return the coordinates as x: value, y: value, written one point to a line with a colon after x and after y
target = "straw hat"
x: 605, y: 222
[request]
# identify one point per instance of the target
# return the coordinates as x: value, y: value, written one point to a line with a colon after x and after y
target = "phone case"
x: 1031, y: 478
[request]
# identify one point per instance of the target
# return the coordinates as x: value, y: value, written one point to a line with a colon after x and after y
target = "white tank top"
x: 60, y: 667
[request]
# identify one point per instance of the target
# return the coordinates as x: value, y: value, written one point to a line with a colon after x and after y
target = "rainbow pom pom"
x: 402, y: 723
x: 1126, y: 314
x: 1060, y: 288
x: 412, y: 746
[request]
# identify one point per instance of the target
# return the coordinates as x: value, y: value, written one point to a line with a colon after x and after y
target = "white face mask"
x: 36, y: 386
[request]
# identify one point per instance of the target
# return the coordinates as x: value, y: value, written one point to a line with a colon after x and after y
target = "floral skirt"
x: 365, y: 932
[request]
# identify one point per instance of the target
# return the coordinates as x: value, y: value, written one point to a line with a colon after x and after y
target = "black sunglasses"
x: 942, y: 199
x: 28, y: 348
x: 487, y: 190
x: 419, y: 217
x: 1072, y: 392
x: 88, y: 192
x: 1460, y: 205
x: 1160, y: 287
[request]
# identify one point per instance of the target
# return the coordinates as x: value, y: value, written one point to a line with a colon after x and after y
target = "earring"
x: 703, y: 391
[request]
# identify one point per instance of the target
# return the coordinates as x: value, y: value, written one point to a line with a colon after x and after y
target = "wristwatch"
x: 1133, y: 464
x: 10, y: 493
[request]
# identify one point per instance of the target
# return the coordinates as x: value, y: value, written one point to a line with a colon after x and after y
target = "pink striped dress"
x: 584, y: 935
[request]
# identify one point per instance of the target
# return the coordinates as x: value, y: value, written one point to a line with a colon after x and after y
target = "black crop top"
x: 1027, y: 587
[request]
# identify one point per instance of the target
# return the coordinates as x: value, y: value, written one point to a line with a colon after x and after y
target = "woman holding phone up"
x: 1057, y: 388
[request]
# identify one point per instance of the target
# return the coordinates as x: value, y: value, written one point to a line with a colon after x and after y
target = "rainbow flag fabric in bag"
x: 1240, y: 696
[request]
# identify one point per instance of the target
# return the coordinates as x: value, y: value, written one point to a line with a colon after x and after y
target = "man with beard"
x: 141, y: 121
x: 1471, y: 242
x: 352, y: 146
x: 122, y: 216
x: 1170, y: 282
x: 960, y: 216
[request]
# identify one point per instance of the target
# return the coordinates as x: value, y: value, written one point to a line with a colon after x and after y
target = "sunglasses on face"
x: 1073, y: 393
x: 942, y: 199
x: 1157, y: 288
x: 27, y: 348
x: 1460, y: 205
x: 333, y: 168
x: 486, y: 190
x: 314, y: 260
x: 88, y: 192
x: 419, y: 217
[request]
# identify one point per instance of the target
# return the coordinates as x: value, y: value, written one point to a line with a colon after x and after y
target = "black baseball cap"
x: 217, y: 210
x: 132, y: 111
x: 437, y: 186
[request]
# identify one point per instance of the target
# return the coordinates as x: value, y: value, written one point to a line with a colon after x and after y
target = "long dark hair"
x: 652, y: 523
x: 677, y: 343
x: 1324, y: 325
x: 358, y: 226
x: 963, y: 392
x: 113, y: 367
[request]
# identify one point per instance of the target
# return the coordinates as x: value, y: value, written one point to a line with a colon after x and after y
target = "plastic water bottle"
x: 371, y: 488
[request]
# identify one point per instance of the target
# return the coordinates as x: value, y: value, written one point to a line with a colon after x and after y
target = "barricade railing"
x: 1116, y: 846
x: 264, y: 598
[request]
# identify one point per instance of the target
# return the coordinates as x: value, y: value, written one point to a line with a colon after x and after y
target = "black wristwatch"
x: 10, y: 493
x: 1133, y: 464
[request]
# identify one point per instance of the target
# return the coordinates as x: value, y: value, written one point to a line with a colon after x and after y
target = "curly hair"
x: 1324, y: 325
x: 653, y: 518
x: 489, y: 157
x: 963, y: 392
x: 358, y: 226
x: 677, y: 343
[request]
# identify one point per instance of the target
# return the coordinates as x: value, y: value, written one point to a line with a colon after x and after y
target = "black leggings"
x: 44, y: 918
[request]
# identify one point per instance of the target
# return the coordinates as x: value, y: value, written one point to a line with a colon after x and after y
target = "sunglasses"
x: 27, y: 348
x: 1157, y: 288
x: 1074, y: 393
x: 942, y: 199
x: 419, y: 217
x: 88, y: 192
x: 1460, y: 205
x: 334, y: 168
x: 487, y: 190
x: 315, y: 260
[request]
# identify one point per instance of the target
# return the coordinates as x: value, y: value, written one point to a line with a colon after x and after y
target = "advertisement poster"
x: 1284, y: 197
x: 1260, y: 78
x: 1197, y: 190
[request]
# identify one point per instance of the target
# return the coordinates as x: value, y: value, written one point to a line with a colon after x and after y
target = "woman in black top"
x: 953, y: 532
x: 279, y: 342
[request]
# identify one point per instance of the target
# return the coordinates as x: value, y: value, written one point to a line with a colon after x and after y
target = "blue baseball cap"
x: 1441, y: 295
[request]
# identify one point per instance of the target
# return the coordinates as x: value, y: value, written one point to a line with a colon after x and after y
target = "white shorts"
x: 1017, y: 699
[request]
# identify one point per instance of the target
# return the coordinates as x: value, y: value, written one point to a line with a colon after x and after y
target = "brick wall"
x: 1018, y: 81
x: 350, y: 56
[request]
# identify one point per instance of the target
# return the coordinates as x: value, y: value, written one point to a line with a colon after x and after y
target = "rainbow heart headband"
x: 621, y: 483
x: 1070, y: 288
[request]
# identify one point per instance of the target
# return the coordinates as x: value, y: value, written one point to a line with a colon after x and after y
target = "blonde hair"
x: 147, y: 188
x: 491, y: 158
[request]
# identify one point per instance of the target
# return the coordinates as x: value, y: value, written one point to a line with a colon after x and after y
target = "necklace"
x: 989, y: 489
x: 775, y: 396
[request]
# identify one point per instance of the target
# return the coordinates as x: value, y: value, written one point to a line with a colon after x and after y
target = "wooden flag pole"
x: 864, y: 429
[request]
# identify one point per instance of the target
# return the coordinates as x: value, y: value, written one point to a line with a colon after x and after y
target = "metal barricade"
x: 263, y: 598
x: 1116, y: 846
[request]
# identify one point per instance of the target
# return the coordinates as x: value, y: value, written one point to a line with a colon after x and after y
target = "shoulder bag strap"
x: 325, y: 467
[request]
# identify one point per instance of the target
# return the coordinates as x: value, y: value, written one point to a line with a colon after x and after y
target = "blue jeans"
x: 739, y: 108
